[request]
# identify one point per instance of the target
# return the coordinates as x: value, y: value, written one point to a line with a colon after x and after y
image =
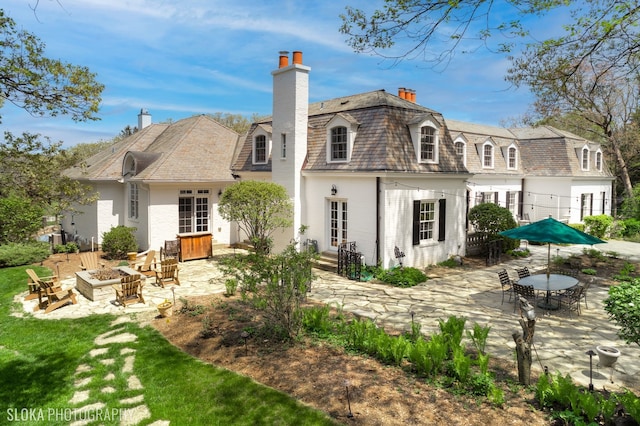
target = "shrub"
x: 623, y: 306
x: 402, y: 277
x: 631, y: 227
x: 489, y: 219
x: 119, y: 241
x: 17, y: 254
x: 599, y: 225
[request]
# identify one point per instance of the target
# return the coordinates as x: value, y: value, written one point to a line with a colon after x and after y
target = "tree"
x: 259, y: 208
x: 236, y: 122
x: 623, y: 306
x: 436, y: 30
x: 31, y: 168
x: 488, y: 219
x: 20, y: 219
x: 40, y: 85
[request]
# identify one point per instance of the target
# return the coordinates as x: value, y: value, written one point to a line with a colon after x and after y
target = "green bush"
x: 599, y: 225
x: 623, y: 306
x: 489, y: 219
x: 16, y: 254
x: 631, y: 227
x: 119, y: 241
x: 402, y: 277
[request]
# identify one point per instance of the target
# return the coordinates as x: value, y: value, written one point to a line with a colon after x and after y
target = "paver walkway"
x: 560, y: 342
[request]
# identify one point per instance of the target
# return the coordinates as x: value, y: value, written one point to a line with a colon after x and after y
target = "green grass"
x: 39, y: 358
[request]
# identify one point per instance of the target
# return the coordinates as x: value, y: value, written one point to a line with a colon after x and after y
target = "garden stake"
x: 173, y: 290
x: 244, y: 335
x: 350, y: 415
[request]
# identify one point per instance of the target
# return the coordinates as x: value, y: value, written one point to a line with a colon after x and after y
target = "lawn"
x: 52, y: 370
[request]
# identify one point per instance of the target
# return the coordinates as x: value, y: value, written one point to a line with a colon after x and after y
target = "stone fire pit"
x: 94, y: 289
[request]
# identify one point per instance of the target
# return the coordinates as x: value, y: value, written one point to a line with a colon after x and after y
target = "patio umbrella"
x: 550, y: 231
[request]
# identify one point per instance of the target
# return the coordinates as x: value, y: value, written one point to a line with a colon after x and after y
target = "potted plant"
x: 165, y: 308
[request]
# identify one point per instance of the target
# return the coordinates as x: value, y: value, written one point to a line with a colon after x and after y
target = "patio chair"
x: 148, y: 266
x: 129, y: 290
x: 585, y: 286
x: 523, y: 272
x: 168, y: 273
x: 525, y: 291
x: 51, y: 294
x: 34, y: 288
x: 89, y: 261
x: 506, y: 283
x: 170, y: 250
x: 570, y: 299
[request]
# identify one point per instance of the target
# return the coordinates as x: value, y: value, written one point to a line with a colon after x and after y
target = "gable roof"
x: 195, y: 149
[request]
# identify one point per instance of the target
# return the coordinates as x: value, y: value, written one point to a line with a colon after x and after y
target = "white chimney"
x: 144, y: 119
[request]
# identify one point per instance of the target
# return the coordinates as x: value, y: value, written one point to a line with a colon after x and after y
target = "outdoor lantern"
x: 346, y: 384
x: 334, y: 190
x: 591, y: 353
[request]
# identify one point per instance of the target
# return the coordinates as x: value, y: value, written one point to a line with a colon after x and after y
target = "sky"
x: 179, y: 58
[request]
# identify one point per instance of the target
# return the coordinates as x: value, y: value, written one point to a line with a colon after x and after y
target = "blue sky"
x: 183, y: 57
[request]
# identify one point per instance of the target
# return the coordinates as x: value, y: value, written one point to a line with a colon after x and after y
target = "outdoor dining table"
x: 552, y: 282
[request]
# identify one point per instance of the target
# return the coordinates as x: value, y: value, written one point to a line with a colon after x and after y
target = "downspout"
x: 378, y: 260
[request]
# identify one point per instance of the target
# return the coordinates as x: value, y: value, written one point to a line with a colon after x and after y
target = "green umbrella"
x: 550, y: 231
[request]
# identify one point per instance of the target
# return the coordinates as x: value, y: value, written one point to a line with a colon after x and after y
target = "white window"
x: 586, y: 205
x: 487, y: 155
x: 193, y: 210
x: 599, y: 160
x: 133, y: 200
x: 428, y: 144
x: 512, y: 158
x: 424, y: 132
x: 339, y: 144
x: 585, y: 158
x: 460, y: 147
x: 427, y: 220
x: 260, y: 149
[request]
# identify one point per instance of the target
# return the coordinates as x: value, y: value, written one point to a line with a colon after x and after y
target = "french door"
x: 337, y: 223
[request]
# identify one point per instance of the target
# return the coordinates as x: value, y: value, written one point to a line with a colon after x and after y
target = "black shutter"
x: 508, y: 196
x: 591, y: 205
x: 442, y: 219
x: 495, y: 197
x: 416, y: 222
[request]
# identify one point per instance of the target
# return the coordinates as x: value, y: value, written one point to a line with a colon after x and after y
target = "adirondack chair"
x: 168, y: 273
x: 89, y: 261
x: 34, y: 288
x: 129, y: 290
x: 147, y: 268
x: 171, y: 249
x: 51, y: 295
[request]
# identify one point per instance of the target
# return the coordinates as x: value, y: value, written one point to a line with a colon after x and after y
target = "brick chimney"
x: 289, y: 127
x: 144, y: 119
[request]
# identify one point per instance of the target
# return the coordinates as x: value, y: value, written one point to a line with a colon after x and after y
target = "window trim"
x: 488, y: 144
x: 134, y: 201
x: 415, y: 129
x: 460, y: 140
x: 196, y: 222
x: 351, y: 132
x: 585, y: 160
x: 336, y: 146
x: 433, y: 135
x: 599, y: 160
x: 512, y: 148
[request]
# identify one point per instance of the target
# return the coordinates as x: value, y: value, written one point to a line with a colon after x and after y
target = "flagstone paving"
x: 560, y: 342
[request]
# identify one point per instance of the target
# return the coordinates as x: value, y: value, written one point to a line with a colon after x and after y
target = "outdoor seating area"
x: 50, y: 293
x: 129, y: 290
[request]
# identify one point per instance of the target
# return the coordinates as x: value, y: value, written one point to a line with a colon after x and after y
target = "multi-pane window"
x: 427, y: 143
x: 487, y: 155
x: 133, y: 201
x: 427, y: 219
x: 585, y: 159
x: 512, y: 202
x: 193, y: 210
x: 459, y: 149
x: 339, y: 143
x: 260, y: 149
x: 512, y: 154
x: 599, y: 161
x: 586, y: 205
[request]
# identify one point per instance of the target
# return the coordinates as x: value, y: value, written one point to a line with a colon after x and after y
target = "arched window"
x: 599, y: 161
x: 487, y: 155
x: 585, y: 158
x: 512, y: 158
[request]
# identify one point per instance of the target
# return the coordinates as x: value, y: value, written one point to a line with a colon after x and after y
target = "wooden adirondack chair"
x: 129, y: 290
x: 51, y: 294
x: 168, y: 273
x: 147, y: 268
x: 89, y: 261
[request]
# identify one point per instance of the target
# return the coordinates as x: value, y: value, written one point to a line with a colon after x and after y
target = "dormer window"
x: 341, y: 132
x: 512, y: 158
x: 339, y: 144
x: 261, y: 146
x: 428, y: 144
x: 460, y: 146
x: 424, y: 135
x: 599, y: 160
x: 487, y: 155
x: 585, y: 158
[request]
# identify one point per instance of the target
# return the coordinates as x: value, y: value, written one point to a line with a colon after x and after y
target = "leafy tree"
x: 259, y: 208
x: 40, y: 85
x: 119, y: 241
x: 623, y: 306
x: 31, y: 168
x: 488, y: 219
x: 631, y: 206
x: 236, y: 122
x: 20, y: 219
